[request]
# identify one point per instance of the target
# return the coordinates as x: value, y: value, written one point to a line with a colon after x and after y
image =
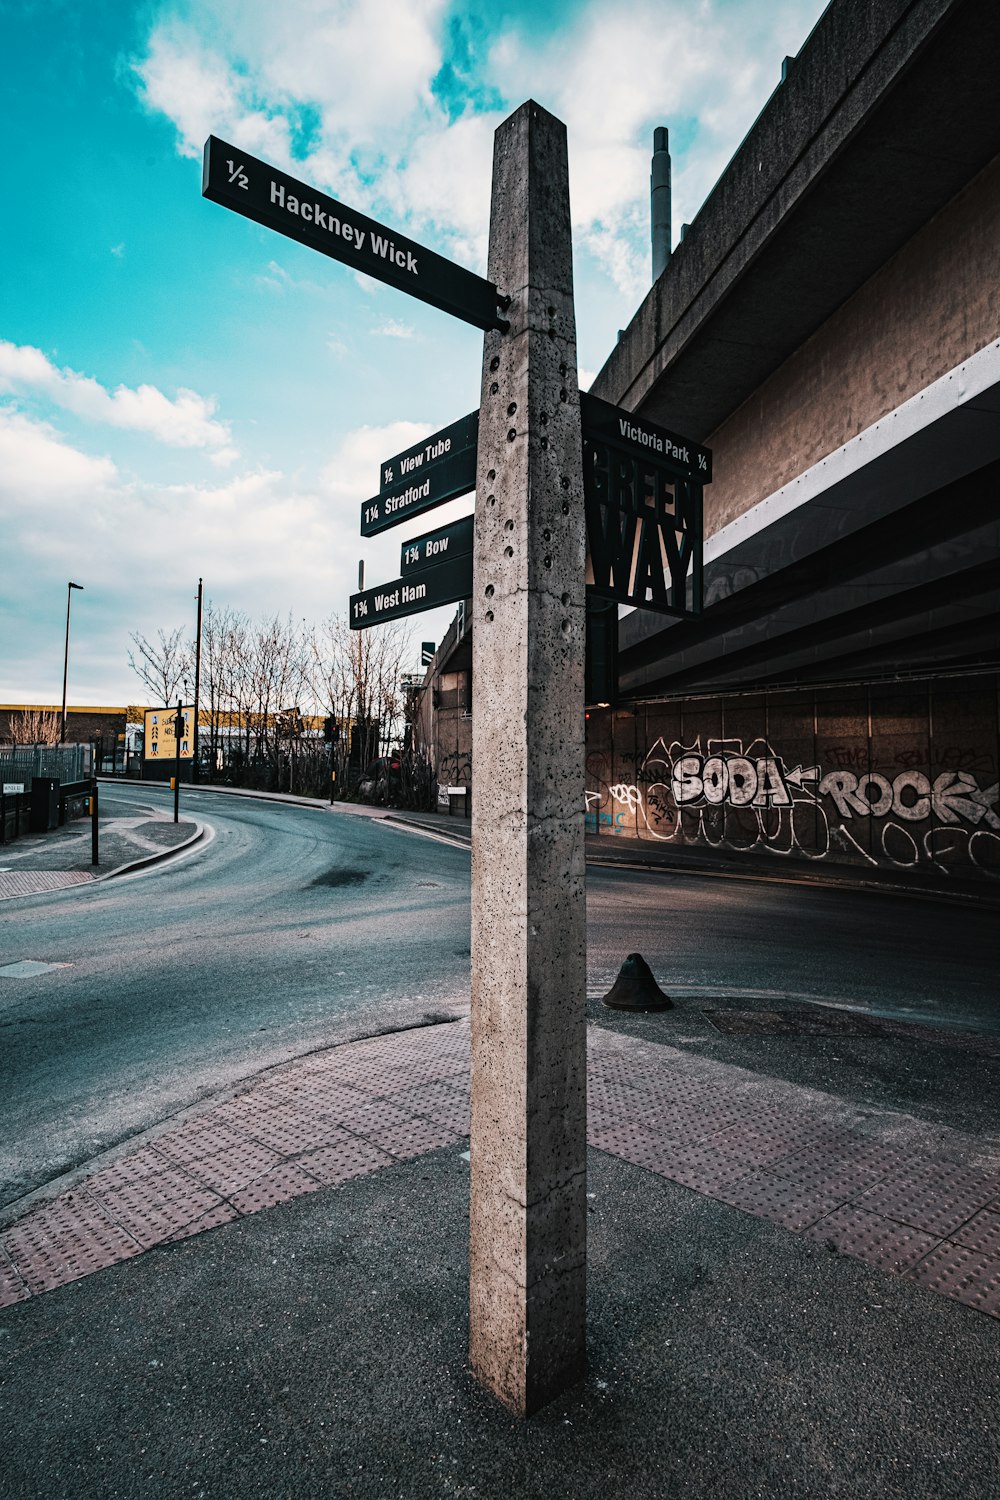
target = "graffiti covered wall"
x: 895, y: 777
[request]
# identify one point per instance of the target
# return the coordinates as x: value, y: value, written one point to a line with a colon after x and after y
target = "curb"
x: 133, y: 867
x: 808, y: 878
x: 283, y: 799
x: 154, y: 859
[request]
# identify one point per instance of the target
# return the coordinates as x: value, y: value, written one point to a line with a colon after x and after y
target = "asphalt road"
x: 294, y: 928
x: 291, y: 929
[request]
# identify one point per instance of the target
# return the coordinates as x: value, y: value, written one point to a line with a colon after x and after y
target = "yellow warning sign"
x: 159, y: 742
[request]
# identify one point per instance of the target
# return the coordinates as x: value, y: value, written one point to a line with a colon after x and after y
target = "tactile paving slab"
x: 869, y: 1237
x: 794, y: 1156
x: 310, y: 1124
x: 935, y: 1196
x: 804, y: 1160
x: 955, y: 1271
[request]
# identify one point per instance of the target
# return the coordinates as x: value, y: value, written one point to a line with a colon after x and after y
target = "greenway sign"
x: 642, y: 488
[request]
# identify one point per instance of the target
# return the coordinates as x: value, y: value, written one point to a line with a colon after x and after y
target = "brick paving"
x: 31, y: 882
x: 860, y: 1182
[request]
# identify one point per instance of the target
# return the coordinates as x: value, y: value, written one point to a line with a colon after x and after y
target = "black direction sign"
x: 460, y: 437
x: 444, y: 583
x: 604, y: 423
x: 424, y: 476
x: 258, y: 191
x: 642, y: 489
x: 437, y: 546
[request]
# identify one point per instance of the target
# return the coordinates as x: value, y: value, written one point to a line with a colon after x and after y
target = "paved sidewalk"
x: 790, y: 1295
x: 50, y: 861
x: 885, y: 1190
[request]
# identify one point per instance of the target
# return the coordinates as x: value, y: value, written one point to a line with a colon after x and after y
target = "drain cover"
x: 752, y: 1022
x: 27, y: 968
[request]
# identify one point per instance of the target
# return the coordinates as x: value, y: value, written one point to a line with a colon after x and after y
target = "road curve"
x: 293, y: 928
x: 297, y: 927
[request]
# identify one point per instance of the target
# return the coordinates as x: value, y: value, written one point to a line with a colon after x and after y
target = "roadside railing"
x: 15, y: 814
x: 66, y: 763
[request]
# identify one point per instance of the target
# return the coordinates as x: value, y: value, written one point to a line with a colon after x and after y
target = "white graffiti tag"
x: 742, y: 796
x: 629, y: 795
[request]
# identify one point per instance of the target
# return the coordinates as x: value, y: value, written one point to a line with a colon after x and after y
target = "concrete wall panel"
x: 900, y: 778
x: 931, y: 306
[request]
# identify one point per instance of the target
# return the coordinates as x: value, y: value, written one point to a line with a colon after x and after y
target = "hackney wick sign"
x: 259, y: 191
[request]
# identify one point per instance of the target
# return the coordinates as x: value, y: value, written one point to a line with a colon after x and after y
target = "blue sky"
x: 184, y: 393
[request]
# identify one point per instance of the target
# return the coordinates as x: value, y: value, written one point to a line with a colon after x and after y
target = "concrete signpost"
x: 529, y: 973
x: 522, y: 561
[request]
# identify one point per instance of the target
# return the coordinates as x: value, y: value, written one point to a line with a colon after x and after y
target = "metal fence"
x: 67, y: 762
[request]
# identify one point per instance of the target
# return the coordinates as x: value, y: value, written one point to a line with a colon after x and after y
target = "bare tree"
x: 261, y: 681
x: 34, y: 726
x: 162, y: 665
x: 355, y: 676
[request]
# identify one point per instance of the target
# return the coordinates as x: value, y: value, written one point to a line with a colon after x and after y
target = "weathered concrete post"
x: 528, y: 1154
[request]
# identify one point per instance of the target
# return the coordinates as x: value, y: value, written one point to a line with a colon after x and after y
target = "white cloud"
x: 38, y: 465
x: 352, y: 70
x: 706, y: 67
x: 392, y: 328
x: 186, y: 421
x: 352, y: 474
x: 203, y: 95
x: 339, y: 92
x: 445, y: 182
x: 265, y: 542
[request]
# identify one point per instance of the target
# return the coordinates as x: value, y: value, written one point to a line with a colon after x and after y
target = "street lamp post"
x: 62, y: 721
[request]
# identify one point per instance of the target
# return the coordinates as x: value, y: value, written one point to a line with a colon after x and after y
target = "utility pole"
x: 529, y: 974
x: 197, y: 685
x: 62, y: 721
